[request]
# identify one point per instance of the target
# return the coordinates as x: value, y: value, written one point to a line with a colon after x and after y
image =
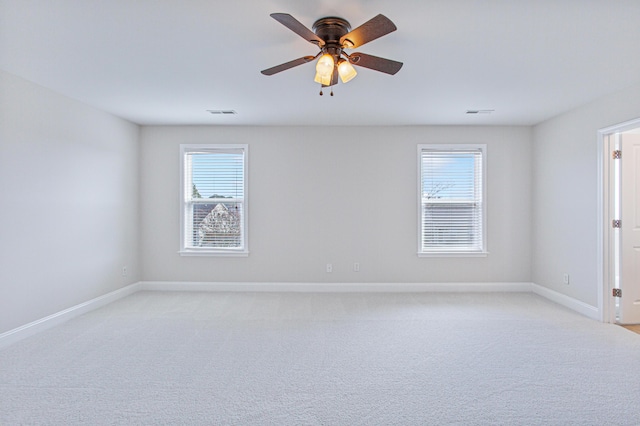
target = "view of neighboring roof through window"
x: 214, y: 215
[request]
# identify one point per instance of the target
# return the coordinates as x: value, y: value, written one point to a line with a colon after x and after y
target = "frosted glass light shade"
x: 324, y: 80
x: 325, y: 65
x: 346, y: 71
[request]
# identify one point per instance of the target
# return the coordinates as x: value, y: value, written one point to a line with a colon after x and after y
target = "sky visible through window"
x: 219, y: 174
x: 449, y: 176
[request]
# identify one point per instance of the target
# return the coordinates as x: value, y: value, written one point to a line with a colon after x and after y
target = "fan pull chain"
x: 323, y: 93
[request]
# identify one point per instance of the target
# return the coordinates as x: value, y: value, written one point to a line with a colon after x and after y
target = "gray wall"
x: 337, y: 195
x: 69, y: 202
x: 85, y: 193
x: 565, y: 188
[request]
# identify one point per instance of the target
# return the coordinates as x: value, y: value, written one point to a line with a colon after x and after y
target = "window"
x: 213, y: 194
x: 452, y: 199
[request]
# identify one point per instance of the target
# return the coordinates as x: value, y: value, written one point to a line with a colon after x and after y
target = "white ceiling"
x: 168, y: 61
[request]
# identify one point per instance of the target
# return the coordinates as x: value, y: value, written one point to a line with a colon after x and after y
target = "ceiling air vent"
x: 221, y: 111
x: 480, y: 111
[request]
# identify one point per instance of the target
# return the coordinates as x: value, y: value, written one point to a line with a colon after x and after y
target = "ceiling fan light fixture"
x: 325, y: 80
x: 332, y: 35
x: 346, y: 71
x: 325, y: 65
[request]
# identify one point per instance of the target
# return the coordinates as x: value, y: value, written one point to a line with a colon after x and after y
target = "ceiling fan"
x: 333, y: 35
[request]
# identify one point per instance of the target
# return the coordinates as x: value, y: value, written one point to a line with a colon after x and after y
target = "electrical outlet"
x: 124, y: 271
x: 356, y: 267
x: 565, y: 278
x: 329, y: 267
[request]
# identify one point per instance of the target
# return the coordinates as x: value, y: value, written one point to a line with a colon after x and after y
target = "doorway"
x: 619, y: 222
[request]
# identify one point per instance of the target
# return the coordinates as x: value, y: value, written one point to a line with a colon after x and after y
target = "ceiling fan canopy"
x: 333, y: 35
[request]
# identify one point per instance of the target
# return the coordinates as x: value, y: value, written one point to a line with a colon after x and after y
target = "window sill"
x: 454, y: 254
x: 209, y: 253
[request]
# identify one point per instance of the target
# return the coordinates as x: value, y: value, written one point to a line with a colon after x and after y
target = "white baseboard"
x: 335, y: 287
x: 42, y: 324
x: 569, y: 302
x: 45, y: 323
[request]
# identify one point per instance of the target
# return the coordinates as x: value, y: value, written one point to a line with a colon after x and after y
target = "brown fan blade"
x: 375, y: 63
x: 294, y: 25
x: 370, y: 30
x: 287, y: 65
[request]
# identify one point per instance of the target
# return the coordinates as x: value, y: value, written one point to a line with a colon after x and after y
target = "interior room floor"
x: 635, y: 328
x: 324, y: 359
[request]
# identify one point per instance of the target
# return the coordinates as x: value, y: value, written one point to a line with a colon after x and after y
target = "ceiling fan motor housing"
x: 331, y: 29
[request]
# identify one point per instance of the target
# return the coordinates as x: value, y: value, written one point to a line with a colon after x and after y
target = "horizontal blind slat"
x: 451, y: 195
x: 215, y: 198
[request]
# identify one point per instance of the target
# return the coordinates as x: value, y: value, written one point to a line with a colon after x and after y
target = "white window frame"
x: 185, y: 201
x: 482, y: 252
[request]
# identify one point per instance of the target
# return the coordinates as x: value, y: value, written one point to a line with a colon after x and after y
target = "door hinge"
x: 616, y: 223
x: 617, y: 154
x: 617, y: 292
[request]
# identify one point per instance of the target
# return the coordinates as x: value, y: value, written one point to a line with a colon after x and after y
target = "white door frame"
x: 605, y: 266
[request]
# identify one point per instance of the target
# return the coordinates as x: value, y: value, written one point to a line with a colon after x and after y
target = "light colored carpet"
x: 324, y: 359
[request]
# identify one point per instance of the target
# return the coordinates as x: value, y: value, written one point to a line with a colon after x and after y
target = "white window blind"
x: 452, y: 199
x: 214, y: 206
